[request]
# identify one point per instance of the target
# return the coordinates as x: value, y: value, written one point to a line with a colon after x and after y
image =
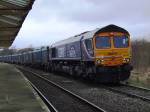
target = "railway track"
x: 131, y: 91
x: 98, y: 94
x: 136, y: 87
x: 79, y: 99
x: 48, y: 103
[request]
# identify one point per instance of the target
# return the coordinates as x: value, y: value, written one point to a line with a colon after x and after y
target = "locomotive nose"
x: 110, y: 61
x: 112, y: 57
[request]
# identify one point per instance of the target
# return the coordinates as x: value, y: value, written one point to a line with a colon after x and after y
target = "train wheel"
x: 71, y: 71
x: 91, y: 76
x: 79, y: 72
x: 53, y: 68
x: 89, y: 73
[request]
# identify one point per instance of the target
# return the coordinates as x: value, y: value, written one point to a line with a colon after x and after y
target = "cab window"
x: 121, y: 41
x: 103, y: 42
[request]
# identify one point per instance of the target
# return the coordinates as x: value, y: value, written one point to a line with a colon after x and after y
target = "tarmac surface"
x: 16, y: 95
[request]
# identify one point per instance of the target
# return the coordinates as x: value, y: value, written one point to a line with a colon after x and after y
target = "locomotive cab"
x: 112, y: 54
x: 112, y: 49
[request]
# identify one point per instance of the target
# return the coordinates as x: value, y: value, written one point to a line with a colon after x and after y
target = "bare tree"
x: 141, y: 55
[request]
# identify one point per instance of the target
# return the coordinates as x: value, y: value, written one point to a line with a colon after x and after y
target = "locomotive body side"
x: 65, y: 57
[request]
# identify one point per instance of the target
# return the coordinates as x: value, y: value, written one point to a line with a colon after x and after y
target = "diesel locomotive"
x: 103, y: 54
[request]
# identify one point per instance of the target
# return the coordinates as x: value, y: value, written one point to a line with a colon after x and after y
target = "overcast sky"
x: 52, y: 20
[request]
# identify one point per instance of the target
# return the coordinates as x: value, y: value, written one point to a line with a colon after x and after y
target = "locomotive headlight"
x: 102, y: 60
x: 126, y: 60
x: 99, y: 61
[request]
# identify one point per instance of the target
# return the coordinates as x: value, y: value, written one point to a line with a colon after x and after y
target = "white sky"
x: 52, y: 20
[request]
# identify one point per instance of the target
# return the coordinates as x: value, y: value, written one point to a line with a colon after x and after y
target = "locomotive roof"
x: 112, y: 28
x: 90, y: 34
x: 86, y: 35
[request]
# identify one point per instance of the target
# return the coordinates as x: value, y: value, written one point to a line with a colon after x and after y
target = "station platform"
x: 16, y: 95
